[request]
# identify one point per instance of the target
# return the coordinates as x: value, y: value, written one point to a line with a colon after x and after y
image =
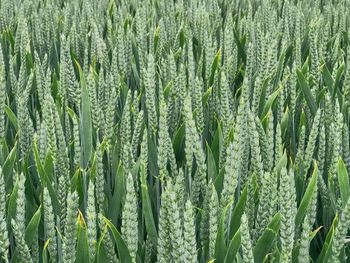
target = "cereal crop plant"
x: 174, y: 131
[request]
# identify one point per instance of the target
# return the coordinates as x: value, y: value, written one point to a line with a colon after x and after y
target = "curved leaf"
x: 270, y: 101
x: 327, y: 245
x: 220, y: 245
x: 147, y: 209
x: 123, y: 250
x: 343, y: 180
x: 307, y: 92
x: 12, y: 117
x: 238, y: 212
x: 233, y: 247
x: 32, y: 227
x: 82, y: 251
x: 305, y: 202
x: 267, y: 239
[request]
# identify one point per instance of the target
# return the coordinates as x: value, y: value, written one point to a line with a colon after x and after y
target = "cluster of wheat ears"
x: 174, y: 131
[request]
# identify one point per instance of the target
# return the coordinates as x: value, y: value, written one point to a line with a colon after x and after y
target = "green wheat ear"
x: 213, y: 221
x: 91, y: 218
x: 287, y: 202
x: 340, y: 233
x: 69, y: 240
x: 24, y: 254
x: 246, y: 240
x: 49, y: 225
x: 129, y: 217
x: 164, y: 244
x: 2, y: 94
x: 189, y: 233
x: 4, y: 237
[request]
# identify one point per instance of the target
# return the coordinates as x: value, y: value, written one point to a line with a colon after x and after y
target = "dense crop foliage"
x: 174, y: 131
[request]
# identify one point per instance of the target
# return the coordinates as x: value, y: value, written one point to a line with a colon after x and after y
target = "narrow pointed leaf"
x: 305, y: 202
x: 343, y: 180
x: 307, y: 92
x: 267, y: 239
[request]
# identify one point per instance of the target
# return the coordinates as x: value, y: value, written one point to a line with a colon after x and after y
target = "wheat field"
x: 174, y: 131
